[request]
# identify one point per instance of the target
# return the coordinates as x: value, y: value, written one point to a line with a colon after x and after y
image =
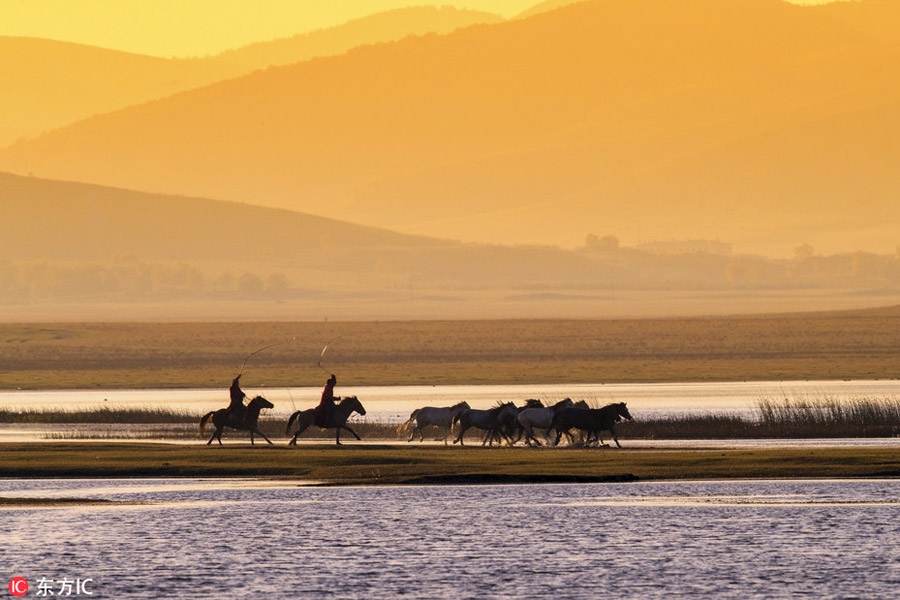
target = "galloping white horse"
x: 540, y: 418
x: 431, y: 415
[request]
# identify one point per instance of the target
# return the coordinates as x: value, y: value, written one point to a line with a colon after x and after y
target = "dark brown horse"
x: 591, y: 420
x: 342, y: 412
x: 248, y: 420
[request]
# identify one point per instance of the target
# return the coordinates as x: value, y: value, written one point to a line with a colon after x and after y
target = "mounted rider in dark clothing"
x: 236, y: 409
x: 326, y: 405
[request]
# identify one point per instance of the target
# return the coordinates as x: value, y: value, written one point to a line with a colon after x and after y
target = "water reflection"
x: 209, y: 539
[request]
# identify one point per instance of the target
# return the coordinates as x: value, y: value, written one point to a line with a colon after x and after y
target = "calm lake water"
x: 394, y: 403
x: 237, y: 539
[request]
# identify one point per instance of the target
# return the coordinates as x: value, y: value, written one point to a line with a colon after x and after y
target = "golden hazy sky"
x: 199, y: 27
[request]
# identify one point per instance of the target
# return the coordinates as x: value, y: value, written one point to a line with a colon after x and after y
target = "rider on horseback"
x: 326, y: 405
x: 236, y: 409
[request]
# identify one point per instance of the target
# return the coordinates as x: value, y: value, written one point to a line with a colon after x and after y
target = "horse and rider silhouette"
x: 331, y: 413
x: 246, y: 419
x: 338, y: 420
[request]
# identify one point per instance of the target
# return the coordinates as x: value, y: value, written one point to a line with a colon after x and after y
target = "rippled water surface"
x: 227, y: 539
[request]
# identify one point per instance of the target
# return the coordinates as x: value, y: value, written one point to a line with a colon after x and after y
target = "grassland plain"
x: 389, y: 464
x: 834, y: 345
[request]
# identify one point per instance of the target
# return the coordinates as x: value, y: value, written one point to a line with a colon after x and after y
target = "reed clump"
x: 689, y: 427
x: 830, y: 417
x: 784, y: 418
x: 98, y: 415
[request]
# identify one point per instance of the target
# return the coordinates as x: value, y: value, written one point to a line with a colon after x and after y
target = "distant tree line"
x: 601, y: 264
x: 658, y: 265
x: 133, y: 281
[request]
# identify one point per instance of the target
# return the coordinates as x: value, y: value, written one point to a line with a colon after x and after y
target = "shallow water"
x: 214, y: 539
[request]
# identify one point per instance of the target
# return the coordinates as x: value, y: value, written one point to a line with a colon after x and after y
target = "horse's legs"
x: 490, y: 436
x: 612, y: 430
x: 216, y: 434
x: 547, y: 434
x: 529, y: 435
x: 462, y: 431
x: 337, y: 436
x: 559, y: 434
x: 261, y: 434
x: 536, y: 441
x: 351, y: 431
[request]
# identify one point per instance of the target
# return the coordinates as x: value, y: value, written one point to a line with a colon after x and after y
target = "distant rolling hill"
x: 48, y: 84
x: 380, y: 27
x: 755, y: 121
x: 60, y: 221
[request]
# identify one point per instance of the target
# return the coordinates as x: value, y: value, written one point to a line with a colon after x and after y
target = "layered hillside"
x: 48, y: 84
x: 755, y: 121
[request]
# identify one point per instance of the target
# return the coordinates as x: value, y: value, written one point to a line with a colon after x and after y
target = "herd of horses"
x: 503, y: 422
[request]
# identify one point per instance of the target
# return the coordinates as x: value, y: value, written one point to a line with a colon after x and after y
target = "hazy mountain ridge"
x: 380, y: 27
x: 571, y: 116
x: 50, y: 84
x: 58, y: 220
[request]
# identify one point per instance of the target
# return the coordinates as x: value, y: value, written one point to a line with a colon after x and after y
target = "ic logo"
x: 18, y: 586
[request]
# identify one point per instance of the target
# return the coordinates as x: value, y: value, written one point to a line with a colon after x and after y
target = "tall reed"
x: 830, y: 417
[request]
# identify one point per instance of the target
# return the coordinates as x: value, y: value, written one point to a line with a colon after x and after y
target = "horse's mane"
x: 500, y: 405
x: 614, y: 407
x: 533, y: 403
x: 582, y: 404
x: 347, y: 399
x: 459, y: 405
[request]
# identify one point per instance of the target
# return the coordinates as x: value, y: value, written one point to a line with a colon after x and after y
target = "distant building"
x: 712, y: 247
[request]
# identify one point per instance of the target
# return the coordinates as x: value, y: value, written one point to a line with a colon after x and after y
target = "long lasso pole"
x: 325, y: 349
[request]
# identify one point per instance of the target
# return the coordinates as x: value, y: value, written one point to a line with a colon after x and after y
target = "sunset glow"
x: 201, y: 27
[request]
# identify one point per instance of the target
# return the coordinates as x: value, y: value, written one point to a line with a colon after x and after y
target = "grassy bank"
x: 838, y: 345
x: 436, y: 464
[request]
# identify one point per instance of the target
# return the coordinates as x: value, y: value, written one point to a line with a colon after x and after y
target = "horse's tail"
x: 456, y: 419
x: 412, y: 417
x: 287, y: 430
x: 204, y: 420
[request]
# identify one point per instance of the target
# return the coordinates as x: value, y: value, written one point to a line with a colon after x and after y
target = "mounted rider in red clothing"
x: 236, y: 409
x: 326, y: 405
